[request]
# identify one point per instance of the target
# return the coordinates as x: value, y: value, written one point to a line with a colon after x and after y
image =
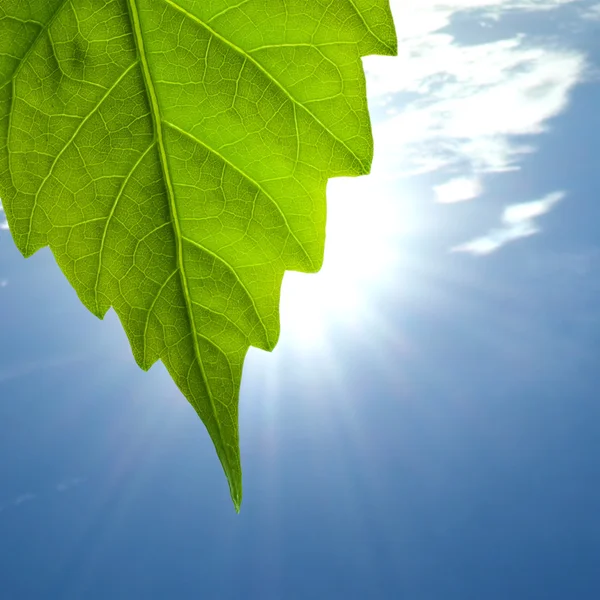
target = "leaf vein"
x: 233, y: 271
x: 257, y: 64
x: 110, y: 216
x: 68, y: 143
x: 248, y: 178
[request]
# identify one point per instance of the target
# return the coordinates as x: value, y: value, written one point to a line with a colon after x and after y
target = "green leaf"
x: 174, y: 156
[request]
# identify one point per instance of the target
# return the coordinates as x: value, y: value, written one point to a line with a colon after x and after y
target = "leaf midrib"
x: 157, y: 121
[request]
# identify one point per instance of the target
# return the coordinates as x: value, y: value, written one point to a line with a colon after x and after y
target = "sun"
x: 364, y: 221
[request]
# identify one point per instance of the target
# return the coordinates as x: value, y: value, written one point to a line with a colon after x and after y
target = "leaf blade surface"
x: 174, y: 156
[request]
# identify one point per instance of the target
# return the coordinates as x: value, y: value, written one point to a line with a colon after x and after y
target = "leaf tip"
x: 236, y: 495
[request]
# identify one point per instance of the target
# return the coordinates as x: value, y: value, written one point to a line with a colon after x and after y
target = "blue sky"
x: 428, y: 427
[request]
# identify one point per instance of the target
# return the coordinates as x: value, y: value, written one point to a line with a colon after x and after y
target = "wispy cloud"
x: 67, y: 484
x: 62, y: 486
x: 591, y: 13
x: 472, y: 108
x: 22, y: 498
x: 518, y: 221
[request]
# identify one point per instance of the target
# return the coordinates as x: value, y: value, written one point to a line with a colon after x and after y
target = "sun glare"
x: 363, y: 223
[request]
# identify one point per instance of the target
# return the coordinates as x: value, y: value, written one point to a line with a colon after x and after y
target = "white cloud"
x: 518, y: 221
x: 3, y: 283
x: 414, y: 18
x: 458, y: 189
x: 471, y: 107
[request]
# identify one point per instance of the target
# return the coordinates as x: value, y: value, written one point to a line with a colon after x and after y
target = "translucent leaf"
x: 174, y: 157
